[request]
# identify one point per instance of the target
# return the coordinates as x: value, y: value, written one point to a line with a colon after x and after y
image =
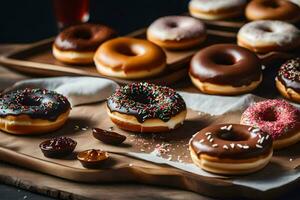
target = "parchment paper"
x: 167, y: 148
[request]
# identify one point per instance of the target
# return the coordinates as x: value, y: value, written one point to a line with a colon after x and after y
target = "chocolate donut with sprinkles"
x: 288, y: 80
x: 32, y: 111
x: 231, y: 149
x: 145, y: 107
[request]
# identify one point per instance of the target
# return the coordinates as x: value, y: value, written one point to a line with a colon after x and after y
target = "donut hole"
x: 269, y: 115
x: 172, y: 24
x: 141, y: 98
x: 30, y: 102
x: 231, y: 136
x: 267, y: 29
x: 270, y: 4
x: 128, y: 50
x: 224, y: 59
x: 83, y: 34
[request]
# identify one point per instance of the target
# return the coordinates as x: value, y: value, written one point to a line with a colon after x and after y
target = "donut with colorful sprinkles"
x: 288, y: 80
x: 146, y: 107
x: 32, y: 111
x: 276, y: 117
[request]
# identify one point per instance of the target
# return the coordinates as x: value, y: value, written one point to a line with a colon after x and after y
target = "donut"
x: 176, y: 32
x: 283, y: 10
x: 216, y: 9
x: 32, y: 111
x: 130, y: 58
x: 225, y: 69
x: 77, y: 44
x: 145, y: 107
x: 231, y: 149
x: 288, y: 80
x: 264, y: 36
x: 277, y: 118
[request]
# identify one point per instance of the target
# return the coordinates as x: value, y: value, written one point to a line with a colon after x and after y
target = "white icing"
x: 185, y: 28
x: 213, y: 5
x: 297, y: 2
x: 280, y: 33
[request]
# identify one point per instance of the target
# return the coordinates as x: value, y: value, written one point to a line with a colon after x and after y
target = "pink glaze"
x: 276, y: 117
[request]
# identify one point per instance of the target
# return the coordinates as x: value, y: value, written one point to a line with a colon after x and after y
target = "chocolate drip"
x: 232, y: 141
x: 146, y: 101
x: 226, y: 64
x: 36, y: 103
x: 84, y: 37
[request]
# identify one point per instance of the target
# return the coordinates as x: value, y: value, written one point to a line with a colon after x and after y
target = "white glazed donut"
x: 297, y: 2
x: 216, y: 9
x: 269, y: 35
x: 176, y: 32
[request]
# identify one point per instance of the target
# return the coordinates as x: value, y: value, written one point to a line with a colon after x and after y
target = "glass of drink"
x: 70, y: 12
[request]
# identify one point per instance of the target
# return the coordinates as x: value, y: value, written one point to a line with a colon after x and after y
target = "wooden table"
x: 45, y: 184
x: 49, y: 185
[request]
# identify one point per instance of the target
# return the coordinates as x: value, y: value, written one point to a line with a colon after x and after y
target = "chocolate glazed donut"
x: 288, y: 79
x: 84, y: 37
x: 77, y: 44
x: 227, y: 68
x: 33, y: 111
x: 231, y: 149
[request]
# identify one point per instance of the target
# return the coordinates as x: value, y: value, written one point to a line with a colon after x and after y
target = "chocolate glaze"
x: 58, y: 147
x: 108, y: 137
x: 83, y: 37
x: 146, y: 101
x: 36, y: 103
x: 245, y: 142
x: 289, y: 74
x: 226, y: 64
x: 92, y: 158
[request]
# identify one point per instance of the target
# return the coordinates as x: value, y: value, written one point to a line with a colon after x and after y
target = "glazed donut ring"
x: 231, y: 149
x: 77, y: 44
x: 267, y: 35
x: 276, y: 117
x: 130, y: 58
x: 32, y: 111
x: 216, y: 9
x: 225, y: 69
x: 145, y: 107
x: 288, y: 80
x: 273, y: 10
x: 176, y: 32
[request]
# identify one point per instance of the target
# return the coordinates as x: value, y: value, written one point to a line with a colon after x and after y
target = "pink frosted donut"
x: 277, y: 118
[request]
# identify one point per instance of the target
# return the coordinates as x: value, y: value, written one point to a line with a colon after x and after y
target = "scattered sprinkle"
x: 208, y: 133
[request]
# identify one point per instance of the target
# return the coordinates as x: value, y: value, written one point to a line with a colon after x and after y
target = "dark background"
x: 24, y: 21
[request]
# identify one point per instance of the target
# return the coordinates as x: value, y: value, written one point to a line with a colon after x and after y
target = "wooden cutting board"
x: 37, y: 59
x: 24, y: 151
